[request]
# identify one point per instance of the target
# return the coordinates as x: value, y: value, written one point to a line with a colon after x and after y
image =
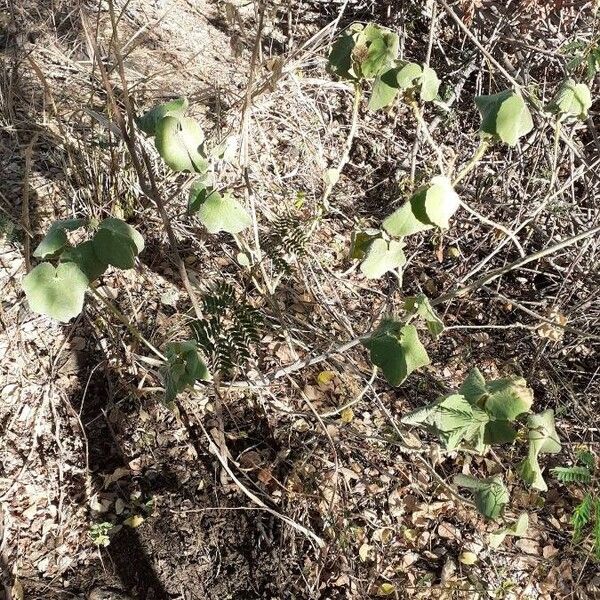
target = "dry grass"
x: 80, y: 402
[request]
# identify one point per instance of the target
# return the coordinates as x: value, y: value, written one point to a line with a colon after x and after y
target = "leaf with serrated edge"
x: 56, y: 292
x: 382, y: 256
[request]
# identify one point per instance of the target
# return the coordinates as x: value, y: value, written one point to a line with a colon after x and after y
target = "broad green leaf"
x: 385, y: 89
x: 421, y: 306
x: 409, y: 75
x: 507, y: 398
x: 572, y: 99
x: 85, y: 257
x: 182, y: 369
x: 56, y: 239
x: 518, y: 529
x: 340, y: 57
x: 56, y: 292
x: 490, y: 494
x: 452, y: 418
x: 360, y: 242
x: 117, y: 243
x: 223, y: 213
x: 179, y: 142
x: 375, y: 51
x: 397, y: 350
x: 383, y: 256
x: 430, y: 84
x: 505, y: 116
x: 543, y: 439
x: 499, y: 432
x: 402, y: 222
x: 473, y: 388
x: 149, y: 120
x: 435, y: 203
x: 199, y: 192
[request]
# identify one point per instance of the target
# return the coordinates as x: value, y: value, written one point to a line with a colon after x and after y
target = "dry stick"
x: 149, y: 190
x: 215, y: 450
x: 25, y: 223
x: 458, y: 292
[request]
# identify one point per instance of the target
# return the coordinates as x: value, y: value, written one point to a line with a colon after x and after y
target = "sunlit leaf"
x: 149, y: 120
x: 383, y: 256
x: 507, y: 398
x: 505, y: 116
x: 518, y: 529
x: 435, y: 203
x: 56, y: 292
x: 572, y: 99
x: 223, y: 213
x: 430, y: 84
x: 402, y: 222
x: 396, y: 349
x: 421, y: 306
x: 179, y: 142
x: 56, y: 238
x: 409, y: 75
x: 385, y: 89
x: 360, y: 242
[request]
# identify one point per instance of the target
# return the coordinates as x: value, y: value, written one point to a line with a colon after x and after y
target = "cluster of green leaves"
x: 484, y: 413
x: 370, y: 53
x: 228, y: 329
x: 181, y: 143
x: 59, y: 291
x: 182, y: 369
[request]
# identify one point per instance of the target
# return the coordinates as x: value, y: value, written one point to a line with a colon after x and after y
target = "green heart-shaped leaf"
x: 518, y: 529
x: 430, y: 84
x: 505, y: 116
x: 117, y: 243
x: 182, y: 369
x: 396, y: 349
x: 382, y: 256
x: 223, y: 213
x: 361, y: 241
x: 490, y: 494
x: 572, y: 99
x: 507, y: 398
x: 421, y: 306
x: 56, y: 239
x: 473, y: 388
x: 385, y: 89
x: 85, y: 257
x: 149, y: 121
x: 409, y: 75
x: 56, y: 292
x: 436, y: 203
x: 402, y: 222
x: 376, y: 49
x: 179, y: 142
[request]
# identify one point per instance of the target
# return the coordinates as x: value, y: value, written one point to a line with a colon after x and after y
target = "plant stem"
x: 479, y: 153
x: 135, y: 332
x: 425, y: 129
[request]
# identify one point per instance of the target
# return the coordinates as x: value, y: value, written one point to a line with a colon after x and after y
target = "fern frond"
x: 596, y: 531
x: 581, y: 516
x: 286, y: 241
x: 572, y: 474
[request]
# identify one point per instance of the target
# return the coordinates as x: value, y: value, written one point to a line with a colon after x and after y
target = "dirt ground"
x: 85, y: 441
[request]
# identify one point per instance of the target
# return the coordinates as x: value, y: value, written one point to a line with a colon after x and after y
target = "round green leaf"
x: 507, y: 398
x: 84, y: 256
x: 149, y: 120
x: 56, y: 292
x: 385, y: 89
x: 403, y: 222
x: 572, y: 99
x: 505, y: 116
x: 490, y: 494
x: 430, y: 84
x: 382, y: 256
x: 117, y: 243
x: 436, y: 203
x: 409, y: 75
x: 179, y: 141
x: 223, y: 213
x: 397, y: 350
x: 56, y: 238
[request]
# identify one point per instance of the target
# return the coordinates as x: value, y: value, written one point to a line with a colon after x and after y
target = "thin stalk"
x: 135, y: 332
x: 479, y: 154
